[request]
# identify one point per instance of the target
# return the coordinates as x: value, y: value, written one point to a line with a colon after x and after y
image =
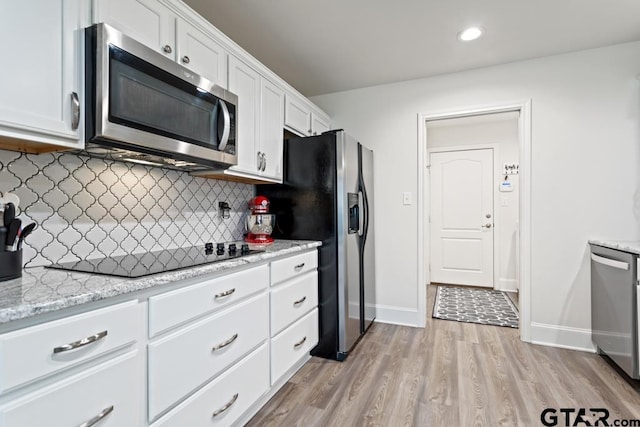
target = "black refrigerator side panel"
x: 305, y: 208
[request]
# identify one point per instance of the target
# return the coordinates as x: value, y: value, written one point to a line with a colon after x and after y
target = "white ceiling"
x: 325, y: 46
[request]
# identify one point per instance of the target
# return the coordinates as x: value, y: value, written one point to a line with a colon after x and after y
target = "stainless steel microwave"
x: 145, y: 108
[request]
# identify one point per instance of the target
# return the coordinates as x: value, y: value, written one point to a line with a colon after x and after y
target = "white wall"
x: 501, y: 131
x: 585, y: 163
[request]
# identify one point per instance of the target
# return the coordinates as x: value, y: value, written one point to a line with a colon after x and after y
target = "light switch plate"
x: 406, y: 198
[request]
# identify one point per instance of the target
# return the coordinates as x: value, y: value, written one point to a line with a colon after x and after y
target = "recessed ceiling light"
x: 470, y: 33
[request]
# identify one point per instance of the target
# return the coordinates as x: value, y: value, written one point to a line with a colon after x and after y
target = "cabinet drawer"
x: 248, y: 380
x: 34, y: 352
x: 169, y: 309
x: 183, y: 361
x: 287, y: 268
x: 292, y: 344
x: 292, y: 300
x: 112, y: 389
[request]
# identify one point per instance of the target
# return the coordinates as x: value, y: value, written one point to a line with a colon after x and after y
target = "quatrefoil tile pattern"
x: 91, y: 208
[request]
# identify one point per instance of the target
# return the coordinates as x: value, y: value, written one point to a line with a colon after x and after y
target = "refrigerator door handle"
x: 365, y: 206
x: 361, y: 230
x: 362, y: 191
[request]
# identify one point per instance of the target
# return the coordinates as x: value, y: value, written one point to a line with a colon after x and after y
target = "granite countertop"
x: 42, y: 290
x: 630, y: 246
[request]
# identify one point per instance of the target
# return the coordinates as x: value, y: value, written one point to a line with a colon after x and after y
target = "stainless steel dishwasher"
x: 614, y: 307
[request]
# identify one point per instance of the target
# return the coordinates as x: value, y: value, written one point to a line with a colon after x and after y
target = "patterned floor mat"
x: 484, y: 306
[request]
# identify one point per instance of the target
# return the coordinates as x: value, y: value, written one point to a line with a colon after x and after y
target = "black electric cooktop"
x: 144, y: 264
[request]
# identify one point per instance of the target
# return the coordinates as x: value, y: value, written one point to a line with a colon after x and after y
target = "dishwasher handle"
x: 610, y: 262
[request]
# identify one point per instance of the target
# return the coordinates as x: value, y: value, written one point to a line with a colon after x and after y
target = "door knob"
x: 487, y: 225
x: 488, y: 216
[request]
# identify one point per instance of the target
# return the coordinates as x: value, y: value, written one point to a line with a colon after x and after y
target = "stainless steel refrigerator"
x: 327, y: 195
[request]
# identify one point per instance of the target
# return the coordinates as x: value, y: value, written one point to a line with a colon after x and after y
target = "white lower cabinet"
x: 109, y: 394
x: 179, y: 363
x: 38, y: 351
x: 292, y: 344
x: 204, y: 297
x: 208, y: 352
x: 218, y: 369
x: 292, y: 300
x: 224, y: 400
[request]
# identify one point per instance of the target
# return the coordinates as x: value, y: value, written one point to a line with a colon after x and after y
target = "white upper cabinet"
x: 200, y: 53
x: 301, y: 118
x: 297, y: 115
x: 271, y: 130
x: 41, y: 80
x: 260, y: 125
x: 319, y: 123
x: 244, y: 81
x: 155, y: 25
x: 149, y: 22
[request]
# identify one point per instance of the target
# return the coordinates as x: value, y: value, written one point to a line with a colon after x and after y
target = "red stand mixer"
x: 260, y: 222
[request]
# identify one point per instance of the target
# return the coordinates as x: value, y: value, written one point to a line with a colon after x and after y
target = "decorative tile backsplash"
x: 91, y: 208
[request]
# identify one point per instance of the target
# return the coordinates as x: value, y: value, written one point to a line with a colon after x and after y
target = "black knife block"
x: 10, y: 265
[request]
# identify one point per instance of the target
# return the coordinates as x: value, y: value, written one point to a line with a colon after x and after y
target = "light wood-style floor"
x: 448, y: 374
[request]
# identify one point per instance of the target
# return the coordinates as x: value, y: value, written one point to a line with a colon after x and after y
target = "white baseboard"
x: 397, y: 315
x: 562, y: 337
x: 507, y: 285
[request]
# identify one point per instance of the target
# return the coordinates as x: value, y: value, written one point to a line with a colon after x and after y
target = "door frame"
x: 496, y: 242
x: 524, y: 140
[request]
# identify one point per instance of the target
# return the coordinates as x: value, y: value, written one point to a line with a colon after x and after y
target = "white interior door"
x: 462, y: 217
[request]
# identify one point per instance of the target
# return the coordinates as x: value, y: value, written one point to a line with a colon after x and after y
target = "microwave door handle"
x: 227, y: 126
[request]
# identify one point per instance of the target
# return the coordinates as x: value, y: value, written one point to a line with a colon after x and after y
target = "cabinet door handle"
x: 185, y: 59
x: 298, y: 267
x: 80, y: 343
x: 225, y: 343
x: 227, y: 406
x: 300, y: 301
x: 225, y: 293
x: 75, y: 111
x: 259, y: 161
x: 264, y: 163
x: 167, y: 49
x: 93, y: 421
x: 299, y: 343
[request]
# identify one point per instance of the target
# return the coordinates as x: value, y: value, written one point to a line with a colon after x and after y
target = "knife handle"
x: 3, y: 238
x: 12, y: 233
x: 9, y: 214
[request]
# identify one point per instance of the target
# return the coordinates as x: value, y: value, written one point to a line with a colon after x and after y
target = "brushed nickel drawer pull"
x: 226, y: 343
x: 97, y: 418
x: 299, y: 343
x: 75, y: 111
x: 300, y: 301
x: 80, y: 343
x: 225, y: 293
x: 298, y: 267
x: 227, y: 406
